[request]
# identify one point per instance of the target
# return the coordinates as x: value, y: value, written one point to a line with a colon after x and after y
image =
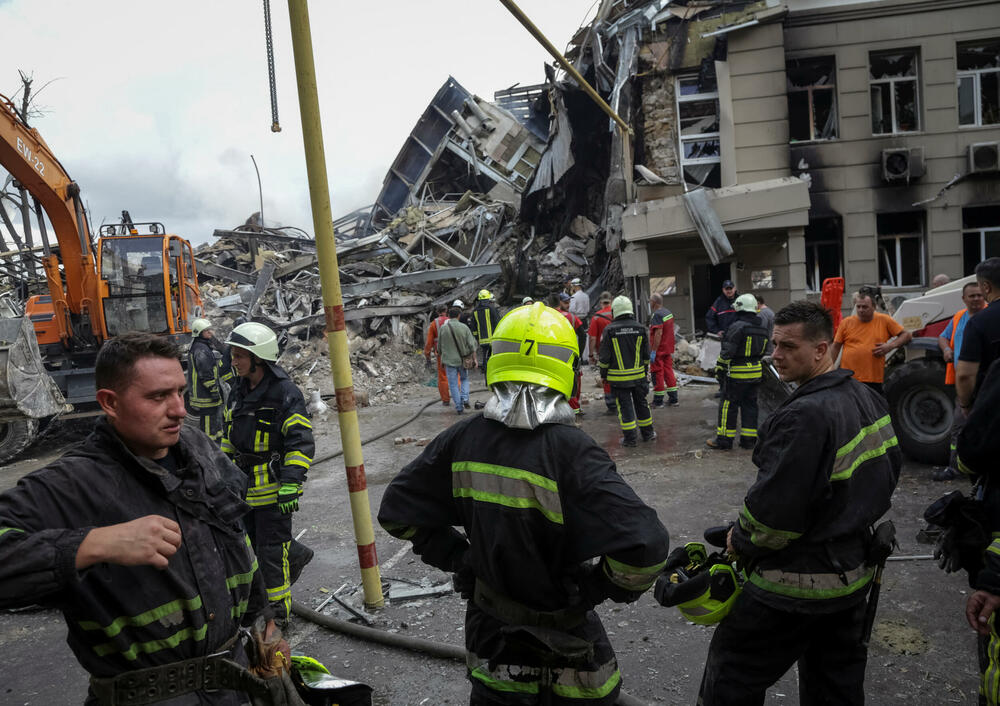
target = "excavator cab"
x: 148, y: 280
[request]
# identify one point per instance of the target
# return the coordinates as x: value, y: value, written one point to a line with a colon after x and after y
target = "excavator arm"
x: 29, y: 160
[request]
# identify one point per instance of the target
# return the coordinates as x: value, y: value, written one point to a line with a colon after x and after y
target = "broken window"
x: 698, y: 118
x: 893, y: 83
x: 979, y: 82
x: 762, y: 279
x: 900, y: 249
x: 812, y: 98
x: 980, y: 235
x: 823, y: 252
x: 665, y: 285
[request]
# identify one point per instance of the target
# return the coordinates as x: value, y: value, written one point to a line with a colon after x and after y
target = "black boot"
x: 298, y: 556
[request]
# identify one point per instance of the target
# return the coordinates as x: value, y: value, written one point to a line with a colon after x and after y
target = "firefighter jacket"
x: 485, y: 318
x: 268, y: 434
x: 743, y: 346
x: 828, y: 461
x: 624, y: 354
x: 528, y: 530
x: 122, y: 618
x: 978, y: 448
x: 204, y: 375
x: 663, y: 319
x: 720, y: 315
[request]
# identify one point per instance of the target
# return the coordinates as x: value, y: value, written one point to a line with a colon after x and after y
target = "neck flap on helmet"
x: 525, y: 405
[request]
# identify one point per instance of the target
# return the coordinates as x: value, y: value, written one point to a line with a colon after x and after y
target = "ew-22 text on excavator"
x: 135, y: 278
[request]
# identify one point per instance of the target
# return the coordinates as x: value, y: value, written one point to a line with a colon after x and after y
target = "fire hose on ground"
x: 413, y: 644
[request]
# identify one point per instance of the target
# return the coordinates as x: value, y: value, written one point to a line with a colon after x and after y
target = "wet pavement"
x: 922, y: 653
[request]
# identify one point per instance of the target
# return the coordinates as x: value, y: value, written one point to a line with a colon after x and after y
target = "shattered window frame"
x: 973, y: 78
x: 711, y: 173
x: 980, y: 235
x: 819, y: 246
x: 811, y: 92
x: 896, y: 245
x: 885, y: 91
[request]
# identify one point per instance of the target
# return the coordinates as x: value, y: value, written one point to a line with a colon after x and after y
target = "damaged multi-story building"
x: 781, y: 143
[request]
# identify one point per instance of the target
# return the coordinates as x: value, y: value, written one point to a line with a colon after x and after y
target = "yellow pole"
x: 564, y: 62
x: 333, y: 303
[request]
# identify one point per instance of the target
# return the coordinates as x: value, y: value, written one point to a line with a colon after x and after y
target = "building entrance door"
x: 706, y: 285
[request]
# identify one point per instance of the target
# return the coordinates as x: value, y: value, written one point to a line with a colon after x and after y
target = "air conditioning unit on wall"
x: 902, y: 164
x: 984, y: 157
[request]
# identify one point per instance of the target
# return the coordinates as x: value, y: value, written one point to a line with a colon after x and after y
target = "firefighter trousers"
x: 737, y: 398
x: 756, y: 644
x: 664, y: 380
x: 208, y: 420
x: 277, y: 553
x: 633, y: 409
x: 988, y: 649
x: 484, y: 356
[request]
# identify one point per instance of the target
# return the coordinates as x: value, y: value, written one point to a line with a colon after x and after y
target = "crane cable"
x: 275, y: 126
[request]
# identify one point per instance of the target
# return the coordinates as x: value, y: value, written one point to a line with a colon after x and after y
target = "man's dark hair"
x: 760, y: 299
x: 817, y: 324
x: 989, y: 270
x: 442, y: 308
x: 967, y: 285
x: 118, y: 356
x: 454, y: 312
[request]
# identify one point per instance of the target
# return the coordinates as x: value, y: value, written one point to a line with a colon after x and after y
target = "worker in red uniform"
x: 431, y: 345
x: 661, y: 359
x: 601, y: 318
x: 581, y: 338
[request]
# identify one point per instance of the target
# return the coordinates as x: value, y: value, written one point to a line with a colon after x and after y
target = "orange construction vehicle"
x: 141, y: 279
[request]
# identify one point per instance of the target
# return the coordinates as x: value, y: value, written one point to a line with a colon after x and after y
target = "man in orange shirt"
x: 866, y: 339
x: 431, y: 345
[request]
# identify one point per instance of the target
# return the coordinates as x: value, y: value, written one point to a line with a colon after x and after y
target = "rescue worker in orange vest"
x: 950, y: 343
x: 431, y: 346
x: 661, y: 352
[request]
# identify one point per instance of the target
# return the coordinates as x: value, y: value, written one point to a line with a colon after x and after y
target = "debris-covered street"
x: 922, y: 653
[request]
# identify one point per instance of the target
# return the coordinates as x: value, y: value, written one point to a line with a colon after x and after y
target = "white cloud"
x: 158, y: 106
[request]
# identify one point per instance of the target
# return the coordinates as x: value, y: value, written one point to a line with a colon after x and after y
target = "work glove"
x: 288, y: 497
x: 652, y: 357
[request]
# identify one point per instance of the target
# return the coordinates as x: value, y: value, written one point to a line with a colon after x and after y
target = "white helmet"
x: 256, y: 338
x: 199, y: 325
x: 621, y: 305
x: 459, y: 303
x: 745, y: 302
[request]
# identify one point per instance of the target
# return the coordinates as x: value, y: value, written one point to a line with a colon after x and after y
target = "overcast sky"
x: 156, y: 107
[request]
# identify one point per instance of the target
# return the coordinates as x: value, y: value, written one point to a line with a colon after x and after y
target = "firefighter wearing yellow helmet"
x: 206, y: 380
x: 535, y: 496
x: 269, y: 436
x: 485, y: 317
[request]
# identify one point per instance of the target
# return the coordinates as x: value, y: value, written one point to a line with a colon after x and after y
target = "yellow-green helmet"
x: 534, y: 344
x: 199, y: 325
x: 485, y: 294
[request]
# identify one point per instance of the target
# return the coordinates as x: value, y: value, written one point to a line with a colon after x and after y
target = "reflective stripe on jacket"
x: 269, y: 421
x: 485, y: 316
x: 122, y: 618
x: 624, y: 354
x: 534, y: 504
x: 743, y: 346
x: 828, y: 462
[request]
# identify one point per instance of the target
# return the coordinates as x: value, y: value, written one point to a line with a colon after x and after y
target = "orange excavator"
x: 136, y: 277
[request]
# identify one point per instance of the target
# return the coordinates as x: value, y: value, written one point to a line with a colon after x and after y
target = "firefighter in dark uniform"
x: 269, y: 436
x: 485, y: 318
x: 140, y: 521
x: 534, y: 496
x: 624, y: 364
x: 828, y: 462
x: 205, y: 380
x: 739, y: 372
x: 977, y: 451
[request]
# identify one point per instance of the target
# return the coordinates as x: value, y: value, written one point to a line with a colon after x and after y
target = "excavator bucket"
x: 26, y: 390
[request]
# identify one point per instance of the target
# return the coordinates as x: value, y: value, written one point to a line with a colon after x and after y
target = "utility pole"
x: 333, y: 303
